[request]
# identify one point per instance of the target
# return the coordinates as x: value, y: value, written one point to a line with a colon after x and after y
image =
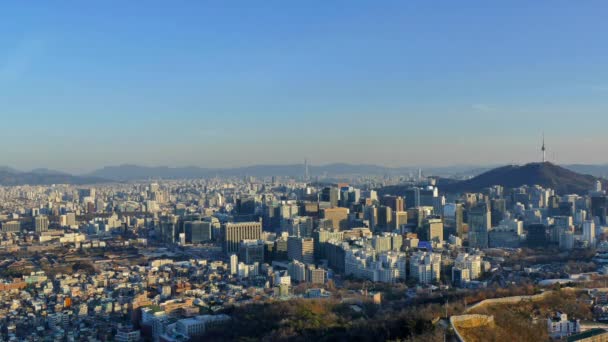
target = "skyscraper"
x: 337, y: 216
x: 251, y: 251
x: 234, y: 233
x: 385, y: 218
x: 396, y: 203
x: 234, y: 264
x: 480, y: 220
x: 432, y: 229
x: 41, y: 224
x: 198, y: 231
x: 301, y: 249
x: 589, y: 232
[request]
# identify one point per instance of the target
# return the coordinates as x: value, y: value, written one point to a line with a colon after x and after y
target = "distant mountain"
x: 594, y: 170
x: 335, y: 170
x: 544, y: 174
x: 10, y: 177
x: 45, y: 171
x: 134, y: 172
x: 8, y: 169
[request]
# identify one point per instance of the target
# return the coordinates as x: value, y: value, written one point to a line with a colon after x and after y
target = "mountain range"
x: 11, y: 177
x: 547, y: 175
x: 135, y: 172
x: 509, y: 174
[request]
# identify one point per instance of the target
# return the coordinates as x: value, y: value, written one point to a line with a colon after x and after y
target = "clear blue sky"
x: 225, y: 83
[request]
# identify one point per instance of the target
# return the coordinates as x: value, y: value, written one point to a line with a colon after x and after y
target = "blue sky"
x: 227, y: 83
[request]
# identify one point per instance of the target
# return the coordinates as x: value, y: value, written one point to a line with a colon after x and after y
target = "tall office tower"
x: 169, y: 228
x: 234, y: 233
x: 154, y: 187
x: 452, y: 215
x: 560, y: 225
x: 399, y: 219
x: 41, y: 224
x: 300, y: 226
x: 371, y: 215
x: 198, y: 231
x: 337, y: 216
x: 11, y: 227
x: 321, y: 238
x: 598, y: 186
x: 438, y: 204
x: 428, y: 196
x: 251, y: 251
x: 373, y: 195
x: 280, y: 248
x: 70, y: 219
x: 331, y: 195
x: 412, y: 197
x: 589, y: 232
x: 537, y: 235
x: 580, y: 216
x: 385, y: 218
x: 396, y: 203
x: 301, y: 249
x: 480, y: 223
x: 234, y: 264
x: 599, y: 208
x: 432, y: 229
x: 498, y: 209
x: 245, y: 205
x: 458, y: 218
x: 83, y: 193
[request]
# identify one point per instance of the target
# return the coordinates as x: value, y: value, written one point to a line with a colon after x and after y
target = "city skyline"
x: 219, y: 85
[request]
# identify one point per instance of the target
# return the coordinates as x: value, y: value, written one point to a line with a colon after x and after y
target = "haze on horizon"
x: 218, y: 84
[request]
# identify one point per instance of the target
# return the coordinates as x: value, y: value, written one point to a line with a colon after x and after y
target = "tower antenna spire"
x: 543, y: 149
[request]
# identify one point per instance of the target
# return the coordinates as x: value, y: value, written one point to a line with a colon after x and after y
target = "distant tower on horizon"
x: 543, y: 149
x: 306, y: 174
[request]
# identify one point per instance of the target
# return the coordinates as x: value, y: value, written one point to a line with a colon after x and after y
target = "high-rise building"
x: 84, y: 193
x: 301, y: 249
x: 234, y: 264
x: 396, y: 203
x: 385, y: 218
x: 412, y: 198
x: 498, y: 209
x: 480, y: 223
x: 198, y: 231
x: 41, y: 224
x: 251, y: 251
x: 331, y: 195
x: 245, y: 206
x: 11, y: 227
x: 425, y: 267
x: 399, y: 219
x: 337, y: 216
x: 382, y: 243
x: 599, y: 208
x: 432, y: 229
x: 70, y: 219
x: 234, y: 233
x: 537, y: 235
x: 300, y: 226
x: 589, y: 232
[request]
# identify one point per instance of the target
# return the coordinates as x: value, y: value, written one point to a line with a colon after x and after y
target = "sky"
x: 85, y: 84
